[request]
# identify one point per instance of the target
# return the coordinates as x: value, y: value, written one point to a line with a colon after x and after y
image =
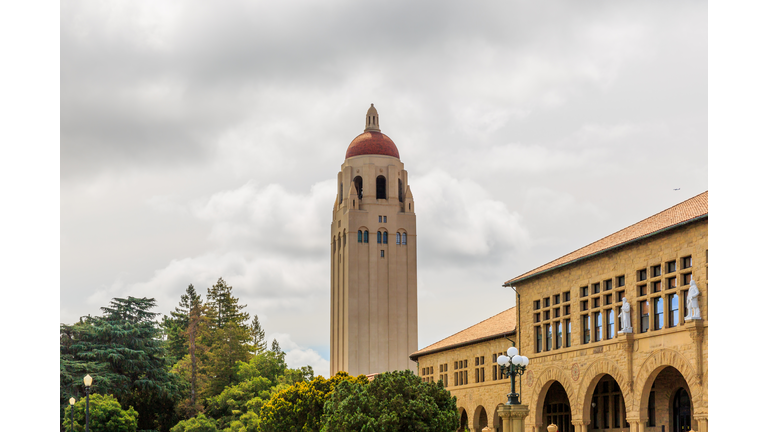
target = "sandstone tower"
x: 373, y: 259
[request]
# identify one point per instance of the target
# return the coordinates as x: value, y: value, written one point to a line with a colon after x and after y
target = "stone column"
x: 701, y: 419
x: 580, y: 425
x: 636, y: 425
x: 513, y: 417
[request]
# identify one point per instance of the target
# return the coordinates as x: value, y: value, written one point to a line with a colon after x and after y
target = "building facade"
x: 591, y: 370
x: 373, y: 259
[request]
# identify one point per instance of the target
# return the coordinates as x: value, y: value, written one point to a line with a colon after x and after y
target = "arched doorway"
x: 667, y: 402
x: 481, y: 419
x: 556, y: 408
x: 607, y: 410
x: 681, y: 411
x: 464, y: 421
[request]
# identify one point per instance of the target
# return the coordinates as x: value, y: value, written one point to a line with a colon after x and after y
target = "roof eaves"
x: 418, y: 354
x: 520, y: 279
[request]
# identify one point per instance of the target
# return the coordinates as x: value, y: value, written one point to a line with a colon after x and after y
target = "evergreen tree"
x: 258, y: 337
x: 228, y: 337
x: 175, y: 326
x: 123, y: 353
x: 276, y: 347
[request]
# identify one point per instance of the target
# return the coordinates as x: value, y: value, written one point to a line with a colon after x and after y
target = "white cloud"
x: 297, y: 356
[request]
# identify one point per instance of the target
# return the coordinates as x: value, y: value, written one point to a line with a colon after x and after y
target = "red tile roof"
x: 372, y: 143
x: 499, y: 325
x: 685, y: 212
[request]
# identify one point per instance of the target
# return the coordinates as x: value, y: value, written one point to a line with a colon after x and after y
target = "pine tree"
x: 276, y: 347
x: 258, y: 337
x: 175, y: 326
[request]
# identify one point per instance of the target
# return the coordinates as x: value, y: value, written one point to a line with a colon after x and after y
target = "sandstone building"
x: 373, y: 258
x: 584, y: 374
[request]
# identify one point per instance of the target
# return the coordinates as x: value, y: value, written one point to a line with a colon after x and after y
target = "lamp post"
x: 87, y: 381
x: 72, y: 412
x: 511, y: 366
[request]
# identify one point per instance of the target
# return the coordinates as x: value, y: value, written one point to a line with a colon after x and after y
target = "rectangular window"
x: 607, y: 299
x: 466, y: 377
x: 686, y: 262
x: 567, y: 310
x: 536, y: 317
x: 536, y: 304
x: 598, y: 326
x: 567, y: 296
x: 642, y: 275
x: 461, y: 378
x: 687, y: 278
x: 379, y: 219
x: 584, y: 305
x: 382, y: 254
x: 567, y: 333
x: 674, y: 310
x: 656, y: 286
x: 595, y: 288
x: 482, y: 360
x: 620, y: 281
x: 455, y: 365
x: 556, y: 313
x: 644, y: 316
x: 656, y: 270
x: 556, y: 299
x: 546, y: 302
x: 610, y: 328
x: 584, y: 291
x: 585, y: 328
x: 477, y: 361
x: 465, y: 363
x: 548, y: 330
x: 671, y: 267
x: 658, y: 313
x: 642, y: 290
x: 558, y: 335
x: 495, y: 372
x: 596, y: 302
x: 685, y: 303
x: 537, y: 331
x: 477, y: 375
x: 607, y: 285
x: 546, y: 315
x: 619, y: 296
x: 385, y: 219
x: 482, y: 375
x: 671, y: 282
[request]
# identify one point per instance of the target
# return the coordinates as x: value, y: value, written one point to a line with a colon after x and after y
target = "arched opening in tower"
x: 381, y: 187
x: 359, y: 186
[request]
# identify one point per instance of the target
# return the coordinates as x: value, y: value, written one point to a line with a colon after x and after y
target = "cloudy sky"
x: 202, y: 140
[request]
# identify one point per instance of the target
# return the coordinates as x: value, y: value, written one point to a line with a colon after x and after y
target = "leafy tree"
x: 300, y: 406
x: 105, y: 414
x: 258, y: 337
x: 394, y: 401
x: 239, y: 399
x: 128, y: 358
x: 196, y: 424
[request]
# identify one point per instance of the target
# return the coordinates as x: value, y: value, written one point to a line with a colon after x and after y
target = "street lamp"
x: 87, y: 381
x: 72, y: 411
x: 511, y: 366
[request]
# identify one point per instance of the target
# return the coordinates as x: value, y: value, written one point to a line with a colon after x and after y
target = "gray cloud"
x: 202, y: 140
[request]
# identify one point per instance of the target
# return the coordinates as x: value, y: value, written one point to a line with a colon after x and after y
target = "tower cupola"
x: 372, y: 120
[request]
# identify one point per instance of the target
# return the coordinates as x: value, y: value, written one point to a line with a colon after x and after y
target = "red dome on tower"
x: 372, y: 141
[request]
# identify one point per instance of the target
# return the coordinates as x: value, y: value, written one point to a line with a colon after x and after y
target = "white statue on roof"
x: 694, y: 313
x: 625, y: 321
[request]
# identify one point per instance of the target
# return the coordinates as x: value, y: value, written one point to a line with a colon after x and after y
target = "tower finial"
x: 372, y: 120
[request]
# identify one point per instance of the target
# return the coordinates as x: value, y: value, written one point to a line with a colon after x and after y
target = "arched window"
x: 359, y: 236
x: 365, y: 236
x: 385, y: 237
x: 381, y: 187
x: 378, y: 237
x: 400, y: 189
x: 359, y: 186
x: 341, y: 192
x: 397, y: 238
x: 345, y: 239
x: 405, y: 238
x: 333, y: 246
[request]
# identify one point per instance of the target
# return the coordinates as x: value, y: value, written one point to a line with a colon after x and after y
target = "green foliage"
x: 258, y: 336
x: 105, y: 415
x: 268, y: 364
x: 394, y: 401
x: 175, y: 326
x: 123, y: 353
x: 196, y: 424
x: 300, y: 406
